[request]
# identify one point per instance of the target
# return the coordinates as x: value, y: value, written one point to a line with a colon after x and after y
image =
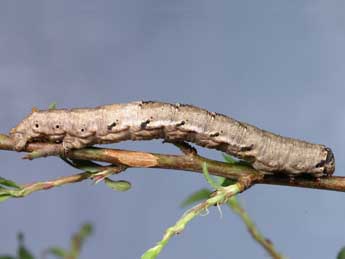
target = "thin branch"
x: 221, y: 196
x: 27, y: 189
x: 135, y: 159
x: 255, y: 233
x: 39, y: 186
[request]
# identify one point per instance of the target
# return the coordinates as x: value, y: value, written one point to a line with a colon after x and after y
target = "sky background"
x: 275, y: 64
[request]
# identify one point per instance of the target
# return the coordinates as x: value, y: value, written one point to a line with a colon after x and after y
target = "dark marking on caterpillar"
x: 180, y: 124
x: 111, y: 126
x: 246, y: 148
x: 216, y: 134
x: 144, y: 124
x: 264, y: 150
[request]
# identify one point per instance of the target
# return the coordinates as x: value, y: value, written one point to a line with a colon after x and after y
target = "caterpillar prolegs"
x: 265, y: 151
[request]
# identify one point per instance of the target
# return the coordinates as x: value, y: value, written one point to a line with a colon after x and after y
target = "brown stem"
x: 189, y: 162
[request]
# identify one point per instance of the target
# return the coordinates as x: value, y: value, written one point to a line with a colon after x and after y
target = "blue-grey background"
x: 276, y: 64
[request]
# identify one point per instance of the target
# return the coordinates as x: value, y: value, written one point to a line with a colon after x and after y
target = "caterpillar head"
x: 38, y: 125
x: 329, y: 165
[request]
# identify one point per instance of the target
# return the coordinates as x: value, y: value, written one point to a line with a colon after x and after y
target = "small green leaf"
x: 86, y: 230
x: 227, y: 182
x: 4, y: 196
x: 121, y: 185
x: 229, y: 159
x: 197, y: 196
x: 152, y: 253
x: 209, y: 179
x: 84, y: 165
x: 341, y: 254
x: 6, y: 257
x: 52, y: 106
x: 8, y: 183
x: 57, y: 251
x: 23, y: 253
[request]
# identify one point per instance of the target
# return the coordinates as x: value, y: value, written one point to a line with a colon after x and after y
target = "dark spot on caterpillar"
x: 247, y: 148
x: 146, y: 102
x: 180, y: 123
x: 144, y: 124
x: 110, y: 126
x: 220, y: 114
x: 57, y: 126
x: 242, y: 125
x: 37, y: 126
x: 141, y: 103
x: 214, y: 134
x: 213, y: 115
x: 82, y: 130
x: 321, y: 163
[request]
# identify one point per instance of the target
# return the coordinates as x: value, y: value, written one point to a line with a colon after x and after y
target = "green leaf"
x: 197, y: 196
x: 86, y: 230
x: 57, y: 251
x: 341, y: 254
x: 6, y: 257
x: 8, y: 183
x: 152, y: 253
x: 208, y: 178
x: 4, y: 196
x: 84, y: 165
x: 78, y: 240
x: 23, y: 253
x: 121, y: 185
x: 52, y: 106
x: 229, y: 159
x: 227, y: 182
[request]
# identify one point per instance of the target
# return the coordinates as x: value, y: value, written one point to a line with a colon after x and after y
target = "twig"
x: 27, y: 189
x: 221, y: 196
x: 255, y: 233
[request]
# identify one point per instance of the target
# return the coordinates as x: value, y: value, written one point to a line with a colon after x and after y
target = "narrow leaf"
x: 197, y: 196
x: 208, y: 178
x: 341, y: 254
x: 229, y: 159
x: 8, y: 183
x: 4, y: 197
x: 227, y: 182
x: 6, y: 257
x: 23, y: 253
x: 57, y: 251
x: 85, y: 230
x: 84, y: 165
x: 121, y: 185
x: 52, y: 106
x: 152, y: 253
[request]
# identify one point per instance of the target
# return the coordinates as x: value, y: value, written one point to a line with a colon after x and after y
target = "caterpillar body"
x: 265, y: 151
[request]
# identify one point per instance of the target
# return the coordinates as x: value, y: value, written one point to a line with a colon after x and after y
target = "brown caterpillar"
x: 77, y: 128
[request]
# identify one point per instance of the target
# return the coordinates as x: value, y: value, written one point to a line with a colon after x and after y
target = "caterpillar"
x: 146, y: 120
